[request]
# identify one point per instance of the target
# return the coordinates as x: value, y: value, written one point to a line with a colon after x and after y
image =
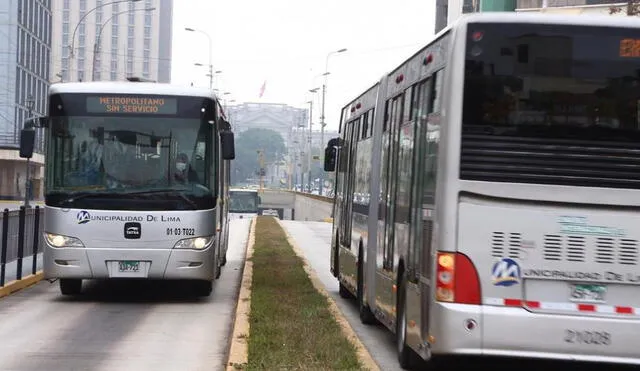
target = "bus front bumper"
x: 105, y: 263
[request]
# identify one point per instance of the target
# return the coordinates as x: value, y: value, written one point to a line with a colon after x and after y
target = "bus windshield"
x: 243, y: 202
x: 552, y: 104
x: 131, y: 156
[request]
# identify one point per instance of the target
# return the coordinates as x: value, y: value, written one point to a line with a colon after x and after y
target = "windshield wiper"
x: 79, y: 196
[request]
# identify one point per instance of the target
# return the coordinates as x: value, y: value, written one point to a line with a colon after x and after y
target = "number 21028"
x: 181, y: 232
x: 587, y: 337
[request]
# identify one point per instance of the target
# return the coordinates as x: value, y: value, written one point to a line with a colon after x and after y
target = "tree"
x: 248, y: 143
x: 632, y: 8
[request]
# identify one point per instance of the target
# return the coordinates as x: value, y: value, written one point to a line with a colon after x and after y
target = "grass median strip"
x: 291, y: 325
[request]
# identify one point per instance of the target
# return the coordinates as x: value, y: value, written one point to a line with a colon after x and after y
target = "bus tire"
x: 406, y: 355
x: 366, y: 316
x: 224, y: 259
x: 336, y: 258
x: 226, y: 246
x: 203, y: 288
x: 70, y: 286
x: 344, y: 291
x: 218, y: 269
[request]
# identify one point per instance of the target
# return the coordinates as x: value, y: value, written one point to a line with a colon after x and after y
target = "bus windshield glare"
x: 133, y: 155
x: 551, y: 104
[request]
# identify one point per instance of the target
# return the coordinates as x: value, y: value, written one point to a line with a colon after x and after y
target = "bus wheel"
x: 344, y: 291
x: 203, y: 288
x: 218, y: 269
x: 406, y: 356
x: 224, y: 259
x: 366, y: 316
x: 70, y: 286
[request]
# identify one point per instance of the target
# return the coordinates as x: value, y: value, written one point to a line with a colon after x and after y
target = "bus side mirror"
x: 330, y: 158
x: 228, y: 145
x: 27, y: 142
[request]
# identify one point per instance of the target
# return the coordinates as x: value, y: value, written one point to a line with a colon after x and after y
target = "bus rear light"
x: 456, y: 279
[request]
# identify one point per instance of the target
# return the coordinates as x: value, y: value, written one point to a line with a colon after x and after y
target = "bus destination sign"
x: 132, y: 104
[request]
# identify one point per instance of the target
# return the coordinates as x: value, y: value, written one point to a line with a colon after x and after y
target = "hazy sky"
x: 285, y: 43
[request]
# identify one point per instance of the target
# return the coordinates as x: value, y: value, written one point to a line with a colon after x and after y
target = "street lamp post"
x: 309, y: 145
x: 97, y: 44
x: 324, y: 93
x: 210, y: 74
x: 73, y: 36
x: 210, y: 53
x: 309, y: 138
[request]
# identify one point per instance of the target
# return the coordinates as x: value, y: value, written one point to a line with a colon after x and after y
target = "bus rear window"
x: 552, y: 104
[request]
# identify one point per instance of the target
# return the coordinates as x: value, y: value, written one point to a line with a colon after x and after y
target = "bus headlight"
x: 57, y: 240
x: 197, y: 243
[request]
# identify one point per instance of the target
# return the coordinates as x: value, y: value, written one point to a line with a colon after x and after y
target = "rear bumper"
x: 516, y: 332
x: 88, y: 263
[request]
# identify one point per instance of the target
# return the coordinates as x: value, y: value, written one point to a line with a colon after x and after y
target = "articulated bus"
x: 243, y: 203
x: 137, y: 178
x: 488, y: 192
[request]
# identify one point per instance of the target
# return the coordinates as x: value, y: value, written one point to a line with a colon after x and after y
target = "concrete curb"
x: 363, y: 354
x: 239, y: 352
x: 18, y: 285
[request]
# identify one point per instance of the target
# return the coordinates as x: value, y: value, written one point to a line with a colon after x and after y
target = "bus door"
x: 426, y: 113
x: 349, y: 152
x: 389, y: 204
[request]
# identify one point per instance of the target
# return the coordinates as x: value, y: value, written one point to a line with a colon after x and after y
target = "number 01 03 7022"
x: 181, y: 232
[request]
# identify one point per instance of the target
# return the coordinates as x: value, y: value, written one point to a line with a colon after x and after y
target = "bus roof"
x: 128, y: 87
x: 512, y: 17
x: 546, y: 18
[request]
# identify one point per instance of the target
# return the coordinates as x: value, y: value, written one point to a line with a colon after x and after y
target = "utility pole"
x: 261, y: 171
x: 322, y: 125
x: 309, y: 146
x: 27, y: 182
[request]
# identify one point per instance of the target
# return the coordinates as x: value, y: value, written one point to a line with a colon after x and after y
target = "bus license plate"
x: 588, y: 293
x: 129, y: 266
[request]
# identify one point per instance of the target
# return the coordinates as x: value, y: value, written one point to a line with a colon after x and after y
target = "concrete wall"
x: 313, y: 208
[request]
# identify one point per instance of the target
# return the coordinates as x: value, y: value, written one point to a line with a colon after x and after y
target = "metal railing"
x: 20, y: 236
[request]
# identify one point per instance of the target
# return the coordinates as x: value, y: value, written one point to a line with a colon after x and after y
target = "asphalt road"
x: 314, y: 239
x: 126, y: 326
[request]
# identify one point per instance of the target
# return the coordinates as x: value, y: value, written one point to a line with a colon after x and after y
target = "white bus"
x: 488, y: 192
x: 135, y: 176
x: 243, y: 203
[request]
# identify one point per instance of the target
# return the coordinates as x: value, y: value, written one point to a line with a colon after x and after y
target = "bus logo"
x: 506, y: 272
x: 132, y: 231
x: 83, y: 217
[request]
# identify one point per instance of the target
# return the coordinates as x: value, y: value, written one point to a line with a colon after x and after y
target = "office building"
x: 97, y: 40
x: 25, y: 50
x: 447, y: 11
